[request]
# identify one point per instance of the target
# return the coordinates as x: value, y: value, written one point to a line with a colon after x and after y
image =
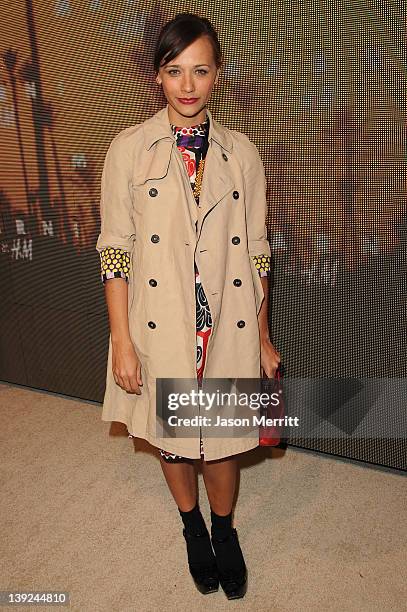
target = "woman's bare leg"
x: 181, y: 480
x: 220, y: 479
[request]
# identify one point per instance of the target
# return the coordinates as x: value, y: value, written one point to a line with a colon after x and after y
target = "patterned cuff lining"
x: 262, y: 263
x: 114, y: 263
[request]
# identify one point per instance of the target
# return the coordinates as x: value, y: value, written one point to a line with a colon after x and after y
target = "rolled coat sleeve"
x: 117, y: 226
x: 256, y: 202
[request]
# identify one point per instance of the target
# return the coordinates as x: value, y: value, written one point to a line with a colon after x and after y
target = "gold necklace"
x: 198, y: 179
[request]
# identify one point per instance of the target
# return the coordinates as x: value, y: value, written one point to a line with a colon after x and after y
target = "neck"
x: 192, y: 124
x: 182, y: 121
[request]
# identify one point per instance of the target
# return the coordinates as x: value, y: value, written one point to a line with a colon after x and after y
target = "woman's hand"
x: 126, y: 367
x: 269, y: 358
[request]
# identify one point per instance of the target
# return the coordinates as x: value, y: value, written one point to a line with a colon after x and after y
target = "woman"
x: 184, y: 258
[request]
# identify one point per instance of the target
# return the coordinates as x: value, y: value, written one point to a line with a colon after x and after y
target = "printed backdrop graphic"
x: 320, y: 87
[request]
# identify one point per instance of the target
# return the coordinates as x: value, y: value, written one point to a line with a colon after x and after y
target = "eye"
x: 202, y: 71
x: 172, y: 70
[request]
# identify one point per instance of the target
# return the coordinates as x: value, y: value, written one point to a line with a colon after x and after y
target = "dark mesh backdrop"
x: 320, y: 87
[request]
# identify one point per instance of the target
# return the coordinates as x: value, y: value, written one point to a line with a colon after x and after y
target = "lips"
x: 188, y: 100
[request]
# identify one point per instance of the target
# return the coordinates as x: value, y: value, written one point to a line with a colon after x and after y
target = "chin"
x: 187, y: 111
x: 186, y: 108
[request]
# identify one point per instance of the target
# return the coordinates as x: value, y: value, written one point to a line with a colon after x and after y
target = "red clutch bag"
x: 270, y: 435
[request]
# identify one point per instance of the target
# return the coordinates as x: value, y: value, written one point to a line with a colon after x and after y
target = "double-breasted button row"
x: 153, y: 192
x: 240, y: 324
x: 154, y: 238
x: 237, y: 281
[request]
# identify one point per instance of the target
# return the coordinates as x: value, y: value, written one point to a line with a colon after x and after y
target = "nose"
x: 187, y: 84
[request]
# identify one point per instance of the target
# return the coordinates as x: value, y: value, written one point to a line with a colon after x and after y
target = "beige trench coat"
x: 147, y: 208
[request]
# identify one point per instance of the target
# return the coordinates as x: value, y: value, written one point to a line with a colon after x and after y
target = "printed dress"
x: 192, y: 142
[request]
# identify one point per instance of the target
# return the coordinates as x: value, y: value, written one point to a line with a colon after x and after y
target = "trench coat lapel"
x: 216, y: 183
x: 192, y: 207
x: 217, y: 179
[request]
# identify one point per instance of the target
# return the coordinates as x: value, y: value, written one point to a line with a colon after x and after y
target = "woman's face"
x: 189, y: 77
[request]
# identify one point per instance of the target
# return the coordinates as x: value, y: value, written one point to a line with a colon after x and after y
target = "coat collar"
x: 158, y: 126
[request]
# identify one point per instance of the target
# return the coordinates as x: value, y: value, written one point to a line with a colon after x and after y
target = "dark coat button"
x: 235, y: 239
x: 152, y: 324
x: 155, y: 238
x: 237, y: 282
x: 153, y: 192
x: 236, y: 195
x: 241, y: 323
x: 153, y: 282
x: 225, y: 157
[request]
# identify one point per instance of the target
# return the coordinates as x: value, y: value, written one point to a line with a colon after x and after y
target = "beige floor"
x: 90, y: 513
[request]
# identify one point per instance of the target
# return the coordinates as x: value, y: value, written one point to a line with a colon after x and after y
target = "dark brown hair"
x: 177, y: 34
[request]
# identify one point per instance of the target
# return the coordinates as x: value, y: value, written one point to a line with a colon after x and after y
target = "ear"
x: 158, y: 79
x: 217, y: 75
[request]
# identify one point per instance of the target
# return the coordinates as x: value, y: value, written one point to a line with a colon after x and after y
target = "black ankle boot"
x: 232, y: 575
x: 204, y: 573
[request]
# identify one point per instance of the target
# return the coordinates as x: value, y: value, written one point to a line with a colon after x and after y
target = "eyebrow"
x: 178, y: 66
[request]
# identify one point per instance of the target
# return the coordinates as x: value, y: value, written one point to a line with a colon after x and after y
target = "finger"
x: 139, y: 377
x: 273, y: 369
x: 118, y: 379
x: 130, y: 384
x: 135, y: 388
x: 126, y: 383
x: 136, y: 385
